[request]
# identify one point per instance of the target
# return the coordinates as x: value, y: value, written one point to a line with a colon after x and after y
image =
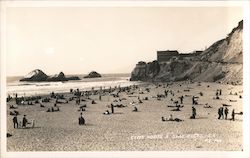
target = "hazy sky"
x: 77, y: 40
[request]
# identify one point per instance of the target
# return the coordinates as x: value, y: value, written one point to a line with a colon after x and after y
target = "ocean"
x: 36, y: 88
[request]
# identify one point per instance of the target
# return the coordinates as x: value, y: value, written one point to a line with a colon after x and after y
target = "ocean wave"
x: 36, y: 88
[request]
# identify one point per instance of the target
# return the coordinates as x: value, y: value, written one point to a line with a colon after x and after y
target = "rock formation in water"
x: 35, y: 75
x: 93, y: 74
x: 39, y: 76
x: 57, y: 77
x: 221, y: 62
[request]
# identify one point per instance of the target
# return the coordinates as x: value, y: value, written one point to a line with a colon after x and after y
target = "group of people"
x: 170, y: 118
x: 22, y: 124
x: 224, y: 112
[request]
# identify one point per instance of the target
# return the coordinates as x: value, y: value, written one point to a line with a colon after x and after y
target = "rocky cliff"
x: 221, y: 62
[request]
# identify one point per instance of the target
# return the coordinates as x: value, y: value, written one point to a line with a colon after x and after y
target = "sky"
x: 77, y: 40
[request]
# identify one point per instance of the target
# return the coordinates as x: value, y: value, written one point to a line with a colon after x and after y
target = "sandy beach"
x: 134, y: 131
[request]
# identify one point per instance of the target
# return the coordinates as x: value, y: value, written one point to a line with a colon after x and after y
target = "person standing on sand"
x: 233, y: 114
x: 193, y: 112
x: 222, y: 114
x: 181, y: 98
x: 219, y: 113
x: 25, y: 121
x: 15, y: 122
x: 112, y: 108
x: 226, y: 112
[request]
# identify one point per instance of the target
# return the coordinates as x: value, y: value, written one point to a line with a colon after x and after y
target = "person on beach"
x: 163, y: 119
x: 233, y: 115
x: 219, y: 113
x: 135, y: 109
x: 193, y: 113
x: 15, y: 121
x: 193, y: 100
x: 166, y: 93
x: 170, y: 118
x: 25, y: 121
x: 226, y: 112
x: 222, y: 112
x: 106, y: 112
x: 81, y: 120
x: 181, y: 99
x: 112, y: 108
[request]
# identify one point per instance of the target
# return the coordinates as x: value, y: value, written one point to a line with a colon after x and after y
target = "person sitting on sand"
x: 81, y: 120
x: 48, y: 110
x: 57, y: 109
x: 177, y: 109
x: 12, y: 107
x: 41, y: 105
x: 25, y: 121
x: 135, y: 109
x: 93, y: 102
x: 170, y: 118
x: 163, y: 119
x: 106, y: 112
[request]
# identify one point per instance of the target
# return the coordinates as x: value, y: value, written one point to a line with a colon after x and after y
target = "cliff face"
x: 221, y: 62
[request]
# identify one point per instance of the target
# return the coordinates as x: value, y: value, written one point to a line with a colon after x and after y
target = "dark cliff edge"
x: 221, y: 62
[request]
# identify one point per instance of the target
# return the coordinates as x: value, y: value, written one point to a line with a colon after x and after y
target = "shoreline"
x: 140, y: 83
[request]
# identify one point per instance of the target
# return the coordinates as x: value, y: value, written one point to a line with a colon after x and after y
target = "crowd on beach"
x: 81, y: 96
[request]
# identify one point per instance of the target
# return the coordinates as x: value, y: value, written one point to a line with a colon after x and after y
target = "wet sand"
x: 133, y: 131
